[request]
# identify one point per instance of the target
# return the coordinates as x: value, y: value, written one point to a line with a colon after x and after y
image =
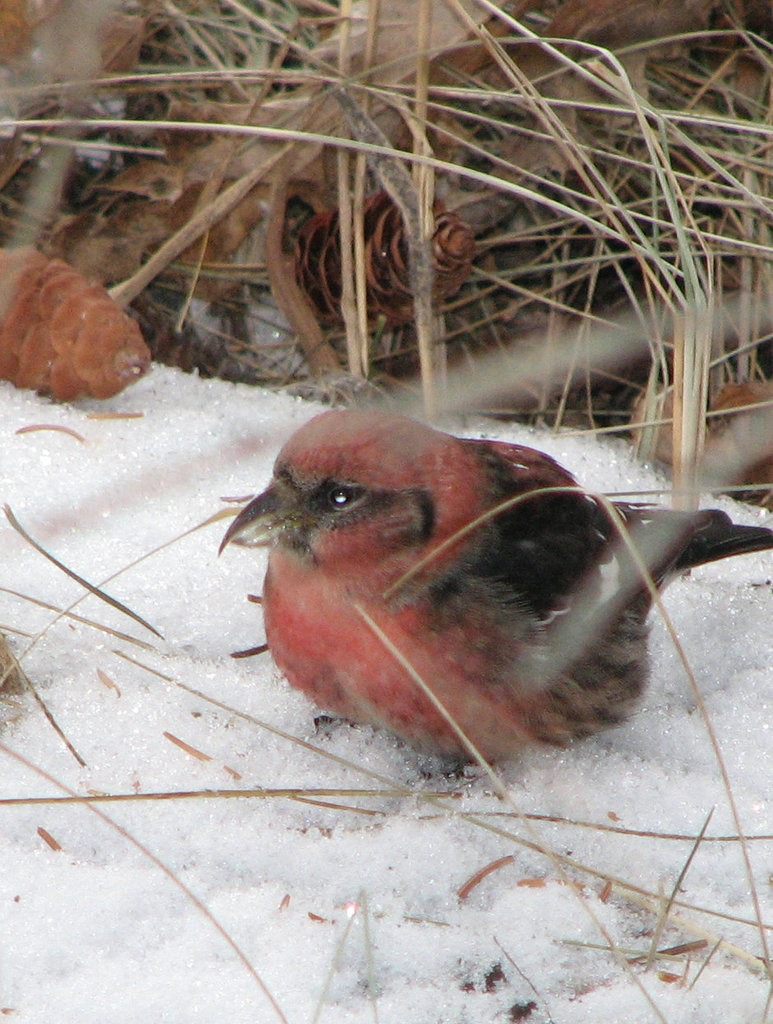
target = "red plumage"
x: 398, y: 550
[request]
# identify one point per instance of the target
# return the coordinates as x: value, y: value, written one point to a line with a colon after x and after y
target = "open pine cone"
x: 62, y: 334
x: 318, y: 260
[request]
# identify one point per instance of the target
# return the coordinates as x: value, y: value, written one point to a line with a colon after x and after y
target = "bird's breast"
x: 319, y: 636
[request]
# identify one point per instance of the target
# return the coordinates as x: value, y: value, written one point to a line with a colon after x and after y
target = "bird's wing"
x: 553, y: 545
x: 542, y: 547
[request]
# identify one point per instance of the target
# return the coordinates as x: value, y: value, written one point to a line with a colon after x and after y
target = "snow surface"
x: 345, y: 904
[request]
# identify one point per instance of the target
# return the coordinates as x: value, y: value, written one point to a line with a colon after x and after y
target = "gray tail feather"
x: 719, y: 537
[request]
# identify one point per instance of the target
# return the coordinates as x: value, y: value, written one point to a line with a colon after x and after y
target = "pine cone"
x: 318, y: 260
x: 61, y: 334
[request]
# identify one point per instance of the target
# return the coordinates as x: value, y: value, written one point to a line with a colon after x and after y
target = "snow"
x: 345, y: 903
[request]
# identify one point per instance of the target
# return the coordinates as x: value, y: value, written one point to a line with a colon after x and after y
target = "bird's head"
x: 354, y: 488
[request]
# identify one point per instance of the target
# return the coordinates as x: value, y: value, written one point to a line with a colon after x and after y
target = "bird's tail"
x: 717, y: 536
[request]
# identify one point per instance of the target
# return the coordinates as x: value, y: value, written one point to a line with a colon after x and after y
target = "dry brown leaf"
x: 15, y: 29
x: 615, y: 24
x: 52, y: 40
x: 114, y: 245
x: 739, y: 446
x: 120, y: 43
x: 154, y: 179
x: 393, y: 55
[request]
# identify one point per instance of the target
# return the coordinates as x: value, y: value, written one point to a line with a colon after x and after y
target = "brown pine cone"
x: 62, y: 334
x: 318, y: 260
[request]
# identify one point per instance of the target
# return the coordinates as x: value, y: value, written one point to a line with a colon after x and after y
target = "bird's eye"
x: 341, y: 496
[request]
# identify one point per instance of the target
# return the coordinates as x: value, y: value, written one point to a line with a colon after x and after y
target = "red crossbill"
x: 438, y: 586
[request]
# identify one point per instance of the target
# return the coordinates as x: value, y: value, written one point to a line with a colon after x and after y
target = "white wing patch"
x: 610, y: 579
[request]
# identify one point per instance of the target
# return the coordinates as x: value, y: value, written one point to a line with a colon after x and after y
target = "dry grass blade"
x: 395, y: 180
x: 262, y: 724
x: 305, y: 794
x: 98, y: 592
x: 562, y: 863
x: 79, y: 618
x: 706, y: 962
x: 14, y: 680
x: 334, y: 966
x: 34, y: 427
x: 74, y: 575
x: 633, y: 174
x: 621, y: 192
x: 639, y: 833
x: 528, y: 981
x: 191, y: 231
x: 250, y: 652
x: 663, y: 918
x: 652, y: 901
x: 158, y: 863
x: 12, y: 676
x: 558, y: 862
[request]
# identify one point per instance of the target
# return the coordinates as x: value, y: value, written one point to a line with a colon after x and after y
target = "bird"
x: 466, y: 594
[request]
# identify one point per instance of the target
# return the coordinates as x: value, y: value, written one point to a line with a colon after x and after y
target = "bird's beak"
x: 258, y: 523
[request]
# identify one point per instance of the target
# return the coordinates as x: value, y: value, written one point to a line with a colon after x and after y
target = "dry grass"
x: 632, y: 186
x: 623, y: 206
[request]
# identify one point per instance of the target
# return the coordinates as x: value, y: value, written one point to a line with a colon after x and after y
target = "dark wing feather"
x: 541, y: 549
x: 673, y: 542
x: 544, y: 549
